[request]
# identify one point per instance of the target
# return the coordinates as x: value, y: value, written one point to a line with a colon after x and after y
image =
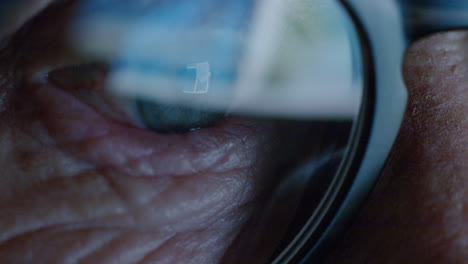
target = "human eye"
x: 184, y: 63
x: 88, y: 82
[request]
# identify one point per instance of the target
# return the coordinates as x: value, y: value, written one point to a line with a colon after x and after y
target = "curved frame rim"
x: 387, y: 44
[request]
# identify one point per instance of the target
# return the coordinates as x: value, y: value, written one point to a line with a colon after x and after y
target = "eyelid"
x: 88, y: 135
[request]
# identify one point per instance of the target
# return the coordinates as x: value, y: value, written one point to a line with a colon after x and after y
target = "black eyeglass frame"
x: 386, y: 28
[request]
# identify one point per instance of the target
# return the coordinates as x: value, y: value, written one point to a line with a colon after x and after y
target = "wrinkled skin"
x: 80, y: 188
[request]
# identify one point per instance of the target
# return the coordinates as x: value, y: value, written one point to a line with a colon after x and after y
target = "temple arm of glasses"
x: 423, y: 17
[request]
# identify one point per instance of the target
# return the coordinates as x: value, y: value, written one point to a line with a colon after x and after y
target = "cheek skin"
x: 418, y: 211
x: 107, y: 214
x: 102, y: 192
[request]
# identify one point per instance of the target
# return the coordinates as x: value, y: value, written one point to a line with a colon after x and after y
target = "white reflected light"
x: 290, y: 61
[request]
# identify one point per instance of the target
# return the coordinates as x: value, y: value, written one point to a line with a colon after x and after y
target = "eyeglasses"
x: 317, y: 82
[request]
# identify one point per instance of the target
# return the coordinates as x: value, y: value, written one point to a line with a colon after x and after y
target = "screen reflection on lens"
x: 297, y: 64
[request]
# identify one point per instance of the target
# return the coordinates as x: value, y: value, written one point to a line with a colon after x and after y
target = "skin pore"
x: 80, y: 188
x: 418, y: 213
